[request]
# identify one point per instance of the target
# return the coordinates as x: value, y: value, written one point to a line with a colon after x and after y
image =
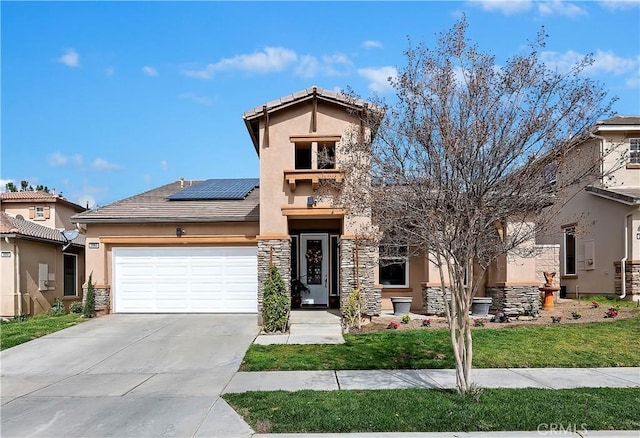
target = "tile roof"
x: 25, y: 228
x: 624, y: 195
x: 153, y: 206
x: 620, y: 120
x: 28, y: 195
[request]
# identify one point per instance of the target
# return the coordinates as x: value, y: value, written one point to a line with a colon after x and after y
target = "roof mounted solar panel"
x: 217, y: 189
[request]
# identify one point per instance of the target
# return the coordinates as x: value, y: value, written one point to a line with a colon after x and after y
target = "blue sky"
x: 104, y: 100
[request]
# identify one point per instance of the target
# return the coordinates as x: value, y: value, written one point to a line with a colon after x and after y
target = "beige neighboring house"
x: 38, y: 262
x: 206, y: 246
x: 598, y: 225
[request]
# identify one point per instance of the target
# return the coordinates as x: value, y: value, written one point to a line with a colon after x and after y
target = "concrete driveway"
x: 127, y: 375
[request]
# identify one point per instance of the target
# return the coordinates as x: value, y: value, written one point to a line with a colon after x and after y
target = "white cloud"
x: 379, y: 78
x: 3, y: 183
x: 102, y: 164
x: 337, y: 64
x: 269, y: 60
x: 202, y: 100
x: 308, y: 67
x: 56, y: 159
x: 558, y: 7
x: 507, y: 7
x: 619, y: 5
x: 604, y: 62
x: 543, y: 7
x: 371, y: 44
x: 149, y: 71
x: 164, y: 165
x: 70, y: 58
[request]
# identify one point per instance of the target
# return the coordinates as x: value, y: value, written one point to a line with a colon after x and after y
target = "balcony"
x: 312, y: 175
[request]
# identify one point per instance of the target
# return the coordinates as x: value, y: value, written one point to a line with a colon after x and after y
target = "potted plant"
x: 297, y: 289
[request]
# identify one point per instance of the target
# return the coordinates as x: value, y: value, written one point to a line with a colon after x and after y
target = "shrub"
x: 89, y: 299
x: 57, y: 309
x: 275, y: 303
x: 576, y: 315
x: 75, y: 307
x: 392, y: 325
x: 556, y: 319
x: 352, y: 309
x: 426, y: 323
x: 478, y: 322
x: 405, y: 319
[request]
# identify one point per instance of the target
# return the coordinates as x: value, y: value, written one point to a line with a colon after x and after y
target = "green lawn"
x: 16, y: 332
x: 607, y: 344
x: 423, y: 410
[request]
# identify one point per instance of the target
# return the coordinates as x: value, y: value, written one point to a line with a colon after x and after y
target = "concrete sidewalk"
x: 548, y: 378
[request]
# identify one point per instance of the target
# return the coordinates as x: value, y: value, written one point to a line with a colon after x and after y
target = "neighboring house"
x: 38, y: 262
x: 206, y: 246
x: 598, y: 223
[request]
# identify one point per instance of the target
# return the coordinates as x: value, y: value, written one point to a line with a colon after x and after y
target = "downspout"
x: 16, y: 252
x: 623, y: 261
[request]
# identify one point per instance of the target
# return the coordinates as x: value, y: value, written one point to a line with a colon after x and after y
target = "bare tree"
x: 464, y: 163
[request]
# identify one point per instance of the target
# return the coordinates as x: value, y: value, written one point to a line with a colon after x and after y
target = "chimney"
x: 181, y: 182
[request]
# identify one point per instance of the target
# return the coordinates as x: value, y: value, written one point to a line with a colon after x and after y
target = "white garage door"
x: 185, y: 280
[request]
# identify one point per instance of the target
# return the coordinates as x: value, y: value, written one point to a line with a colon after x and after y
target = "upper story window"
x: 303, y: 156
x: 327, y: 155
x: 634, y: 151
x: 39, y: 212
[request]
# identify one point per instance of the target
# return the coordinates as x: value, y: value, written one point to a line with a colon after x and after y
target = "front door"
x: 313, y: 267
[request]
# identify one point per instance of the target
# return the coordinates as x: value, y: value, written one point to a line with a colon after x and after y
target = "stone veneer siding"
x: 102, y: 296
x: 278, y: 252
x: 631, y: 276
x: 548, y: 260
x: 433, y: 301
x: 513, y: 300
x: 367, y: 256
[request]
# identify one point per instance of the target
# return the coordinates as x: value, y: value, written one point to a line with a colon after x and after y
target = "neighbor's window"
x: 70, y: 269
x: 570, y: 251
x: 303, y: 156
x: 634, y: 150
x: 39, y: 212
x: 394, y: 265
x: 327, y: 155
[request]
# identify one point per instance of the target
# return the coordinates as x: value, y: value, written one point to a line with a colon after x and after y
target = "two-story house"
x: 42, y: 256
x: 206, y: 246
x: 598, y: 223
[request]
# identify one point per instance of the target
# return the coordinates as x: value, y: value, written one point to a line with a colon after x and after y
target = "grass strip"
x: 15, y: 332
x: 424, y: 410
x: 605, y: 344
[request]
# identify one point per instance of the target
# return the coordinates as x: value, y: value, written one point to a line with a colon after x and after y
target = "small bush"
x: 392, y: 325
x: 89, y: 300
x: 352, y: 309
x: 275, y: 303
x: 405, y: 319
x: 426, y: 323
x: 478, y: 322
x: 75, y: 307
x: 576, y: 315
x: 556, y: 319
x: 58, y: 308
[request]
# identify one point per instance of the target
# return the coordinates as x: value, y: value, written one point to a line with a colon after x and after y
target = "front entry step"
x: 308, y: 327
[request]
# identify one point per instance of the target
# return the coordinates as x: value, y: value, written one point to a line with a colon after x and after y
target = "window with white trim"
x: 70, y: 270
x: 394, y: 266
x: 39, y: 212
x: 634, y: 151
x: 569, y: 251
